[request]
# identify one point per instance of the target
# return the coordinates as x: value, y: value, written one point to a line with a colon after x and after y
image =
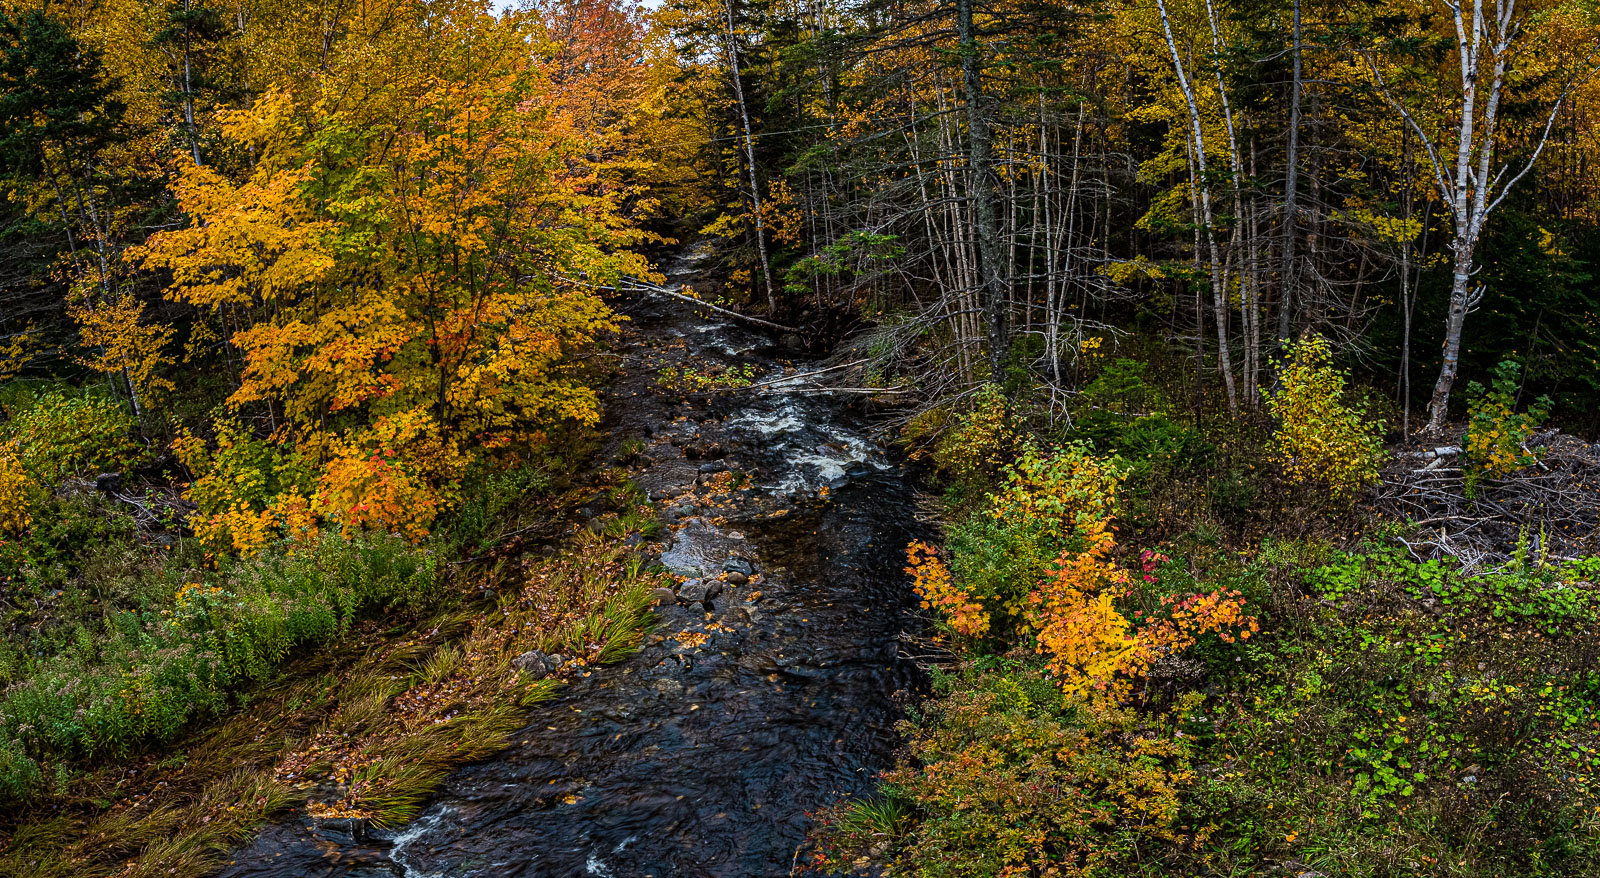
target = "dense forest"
x: 1244, y: 356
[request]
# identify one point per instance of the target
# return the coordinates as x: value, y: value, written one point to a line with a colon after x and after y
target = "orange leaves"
x: 931, y: 581
x: 1094, y: 649
x: 1071, y: 607
x: 370, y: 492
x: 1087, y: 641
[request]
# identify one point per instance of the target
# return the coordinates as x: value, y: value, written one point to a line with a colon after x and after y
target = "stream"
x: 693, y: 758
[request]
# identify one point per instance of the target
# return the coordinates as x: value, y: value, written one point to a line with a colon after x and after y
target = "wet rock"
x: 108, y: 483
x: 633, y: 540
x: 715, y: 466
x: 693, y: 591
x: 737, y: 578
x: 713, y: 588
x: 381, y: 871
x: 736, y: 616
x: 661, y: 596
x: 533, y: 663
x: 554, y: 662
x: 350, y: 830
x: 596, y: 504
x: 739, y: 565
x: 790, y: 341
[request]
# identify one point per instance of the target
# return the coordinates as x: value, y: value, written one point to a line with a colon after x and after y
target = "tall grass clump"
x: 155, y: 672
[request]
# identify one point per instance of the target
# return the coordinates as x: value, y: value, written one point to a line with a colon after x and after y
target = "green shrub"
x: 59, y: 435
x: 1010, y: 780
x: 487, y: 493
x: 48, y: 555
x: 18, y: 773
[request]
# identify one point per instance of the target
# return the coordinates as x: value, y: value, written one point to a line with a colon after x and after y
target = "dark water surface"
x: 693, y: 761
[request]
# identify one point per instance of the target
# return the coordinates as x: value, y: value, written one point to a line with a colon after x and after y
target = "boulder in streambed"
x: 738, y: 565
x: 692, y: 590
x: 345, y: 830
x: 699, y: 590
x: 533, y: 663
x: 661, y: 596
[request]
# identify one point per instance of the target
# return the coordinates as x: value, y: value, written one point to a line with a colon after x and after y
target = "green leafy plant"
x: 58, y: 434
x: 1497, y: 434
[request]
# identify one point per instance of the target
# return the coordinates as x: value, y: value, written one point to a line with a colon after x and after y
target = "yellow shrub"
x: 1320, y: 438
x: 16, y: 495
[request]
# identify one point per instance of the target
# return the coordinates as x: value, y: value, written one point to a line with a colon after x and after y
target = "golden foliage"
x: 116, y: 339
x: 1321, y: 438
x: 1497, y: 434
x: 16, y: 494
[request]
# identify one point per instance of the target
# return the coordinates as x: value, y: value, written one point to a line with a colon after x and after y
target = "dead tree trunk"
x: 983, y: 193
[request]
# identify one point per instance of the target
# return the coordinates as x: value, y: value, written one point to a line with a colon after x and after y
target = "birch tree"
x: 1471, y: 183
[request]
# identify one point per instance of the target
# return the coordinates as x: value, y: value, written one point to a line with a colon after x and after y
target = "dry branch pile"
x: 1554, y: 504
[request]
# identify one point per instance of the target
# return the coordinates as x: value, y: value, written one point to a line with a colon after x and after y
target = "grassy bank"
x: 346, y: 677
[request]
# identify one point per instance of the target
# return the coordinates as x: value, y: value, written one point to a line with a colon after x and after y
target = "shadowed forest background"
x: 1247, y: 353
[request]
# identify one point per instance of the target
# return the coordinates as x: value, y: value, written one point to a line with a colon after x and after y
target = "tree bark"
x: 1207, y: 216
x: 983, y: 194
x: 1291, y: 208
x: 750, y: 161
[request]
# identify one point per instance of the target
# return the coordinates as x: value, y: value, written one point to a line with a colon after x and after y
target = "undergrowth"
x: 1389, y: 716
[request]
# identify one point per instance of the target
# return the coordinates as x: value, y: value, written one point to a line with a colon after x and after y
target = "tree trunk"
x: 1286, y: 273
x: 1439, y: 407
x: 750, y: 161
x: 1207, y: 216
x: 188, y: 90
x: 983, y: 194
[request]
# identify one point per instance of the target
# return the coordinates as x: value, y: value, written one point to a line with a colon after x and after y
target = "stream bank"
x: 769, y: 689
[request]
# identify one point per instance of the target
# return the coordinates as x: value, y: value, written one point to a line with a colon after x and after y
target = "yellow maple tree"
x: 419, y: 243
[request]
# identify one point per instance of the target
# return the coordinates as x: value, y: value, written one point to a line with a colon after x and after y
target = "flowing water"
x: 702, y: 760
